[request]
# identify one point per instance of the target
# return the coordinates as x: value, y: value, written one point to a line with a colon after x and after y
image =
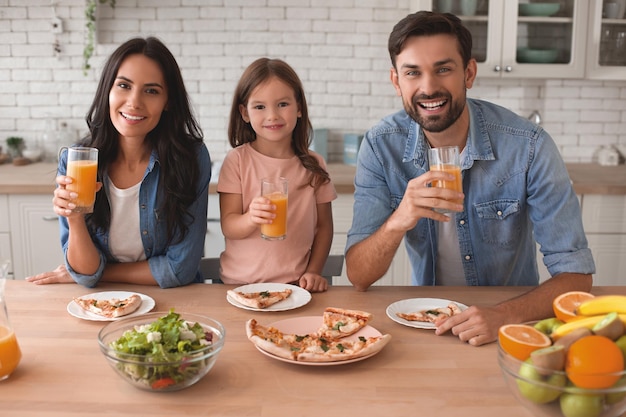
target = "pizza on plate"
x: 432, y: 315
x: 111, y: 308
x: 261, y: 299
x: 340, y: 322
x: 315, y: 346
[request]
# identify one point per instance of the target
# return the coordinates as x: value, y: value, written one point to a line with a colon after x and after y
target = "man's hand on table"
x: 58, y: 276
x: 475, y: 325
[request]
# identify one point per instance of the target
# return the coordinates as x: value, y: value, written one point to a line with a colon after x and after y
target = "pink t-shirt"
x: 254, y: 259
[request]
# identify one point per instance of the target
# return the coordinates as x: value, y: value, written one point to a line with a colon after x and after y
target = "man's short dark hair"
x: 426, y: 23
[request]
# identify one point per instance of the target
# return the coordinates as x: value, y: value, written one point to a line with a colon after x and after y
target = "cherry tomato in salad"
x: 163, y: 383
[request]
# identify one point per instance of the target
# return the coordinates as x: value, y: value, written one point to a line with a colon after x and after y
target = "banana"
x: 587, y: 322
x: 602, y: 304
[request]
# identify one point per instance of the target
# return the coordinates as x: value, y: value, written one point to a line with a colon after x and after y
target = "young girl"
x: 149, y: 219
x: 270, y: 132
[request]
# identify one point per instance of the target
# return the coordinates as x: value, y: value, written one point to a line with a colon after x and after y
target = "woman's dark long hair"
x: 240, y: 132
x: 175, y: 139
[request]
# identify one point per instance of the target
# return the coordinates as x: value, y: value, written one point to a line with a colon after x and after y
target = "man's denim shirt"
x: 516, y: 187
x: 171, y: 265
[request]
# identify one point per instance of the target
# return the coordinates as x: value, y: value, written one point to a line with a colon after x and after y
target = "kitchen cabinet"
x: 34, y: 234
x: 606, y: 57
x: 5, y: 235
x: 604, y: 219
x: 400, y: 270
x: 507, y: 45
x: 214, y: 241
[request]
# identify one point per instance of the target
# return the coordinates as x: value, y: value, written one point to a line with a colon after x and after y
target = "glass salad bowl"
x: 162, y: 351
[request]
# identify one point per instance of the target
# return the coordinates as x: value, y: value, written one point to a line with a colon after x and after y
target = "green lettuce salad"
x: 167, y: 340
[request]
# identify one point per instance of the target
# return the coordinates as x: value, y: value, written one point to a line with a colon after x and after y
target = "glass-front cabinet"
x: 607, y: 40
x: 522, y: 39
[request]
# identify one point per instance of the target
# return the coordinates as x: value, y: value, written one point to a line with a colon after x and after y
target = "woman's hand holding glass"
x: 63, y: 198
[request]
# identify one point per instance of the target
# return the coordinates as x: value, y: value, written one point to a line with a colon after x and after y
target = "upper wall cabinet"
x: 522, y: 39
x: 607, y: 40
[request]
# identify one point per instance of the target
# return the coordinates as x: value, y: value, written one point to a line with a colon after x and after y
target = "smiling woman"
x: 145, y: 228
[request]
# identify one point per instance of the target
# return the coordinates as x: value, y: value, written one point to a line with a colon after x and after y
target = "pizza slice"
x: 323, y: 350
x: 261, y: 299
x: 111, y: 308
x: 432, y: 315
x: 340, y: 322
x: 312, y: 347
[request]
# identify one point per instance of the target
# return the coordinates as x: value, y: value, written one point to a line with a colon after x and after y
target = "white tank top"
x: 124, y: 235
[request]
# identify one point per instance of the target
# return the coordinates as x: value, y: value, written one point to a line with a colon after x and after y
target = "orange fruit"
x: 565, y: 305
x: 519, y: 340
x: 594, y: 362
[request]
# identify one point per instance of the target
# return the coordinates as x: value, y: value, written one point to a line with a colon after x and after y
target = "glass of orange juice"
x: 10, y: 353
x: 82, y: 166
x: 275, y: 189
x: 447, y: 159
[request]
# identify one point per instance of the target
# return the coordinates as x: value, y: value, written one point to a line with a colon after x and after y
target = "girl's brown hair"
x: 240, y: 132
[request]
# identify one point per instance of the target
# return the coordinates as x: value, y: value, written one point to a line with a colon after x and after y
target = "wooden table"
x: 63, y: 373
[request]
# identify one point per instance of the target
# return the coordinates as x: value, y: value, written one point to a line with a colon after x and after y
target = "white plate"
x: 298, y: 298
x: 147, y: 304
x: 310, y: 324
x: 412, y: 305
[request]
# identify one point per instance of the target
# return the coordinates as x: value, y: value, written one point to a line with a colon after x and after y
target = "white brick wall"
x: 338, y: 47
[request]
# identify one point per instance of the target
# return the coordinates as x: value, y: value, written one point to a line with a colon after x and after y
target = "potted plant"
x: 15, y: 145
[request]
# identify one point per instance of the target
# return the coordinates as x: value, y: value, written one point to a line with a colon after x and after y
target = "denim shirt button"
x: 467, y: 257
x: 145, y: 232
x: 462, y: 222
x: 499, y: 213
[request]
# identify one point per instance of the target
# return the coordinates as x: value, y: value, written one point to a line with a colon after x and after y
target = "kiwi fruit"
x: 573, y: 336
x: 610, y: 326
x: 548, y: 359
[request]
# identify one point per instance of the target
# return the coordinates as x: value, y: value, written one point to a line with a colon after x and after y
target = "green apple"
x: 581, y: 405
x: 536, y: 393
x: 621, y: 343
x: 547, y: 326
x: 615, y: 397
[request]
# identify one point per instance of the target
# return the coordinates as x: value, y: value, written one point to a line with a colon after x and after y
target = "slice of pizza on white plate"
x: 260, y: 299
x: 110, y: 308
x: 431, y: 315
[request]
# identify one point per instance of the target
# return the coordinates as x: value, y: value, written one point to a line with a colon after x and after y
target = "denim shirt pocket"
x: 500, y: 221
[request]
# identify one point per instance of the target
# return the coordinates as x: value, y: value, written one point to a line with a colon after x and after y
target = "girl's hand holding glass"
x: 261, y: 211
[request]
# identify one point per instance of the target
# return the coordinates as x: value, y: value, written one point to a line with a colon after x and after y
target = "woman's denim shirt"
x: 517, y: 190
x: 171, y: 265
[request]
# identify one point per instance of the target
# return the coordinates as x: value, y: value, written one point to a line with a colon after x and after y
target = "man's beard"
x: 437, y: 123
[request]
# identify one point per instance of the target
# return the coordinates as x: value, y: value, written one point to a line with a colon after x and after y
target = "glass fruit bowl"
x: 550, y: 393
x: 162, y: 351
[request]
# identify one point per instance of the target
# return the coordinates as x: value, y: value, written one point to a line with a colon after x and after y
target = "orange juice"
x: 84, y: 174
x: 456, y: 184
x: 10, y: 353
x: 278, y: 228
